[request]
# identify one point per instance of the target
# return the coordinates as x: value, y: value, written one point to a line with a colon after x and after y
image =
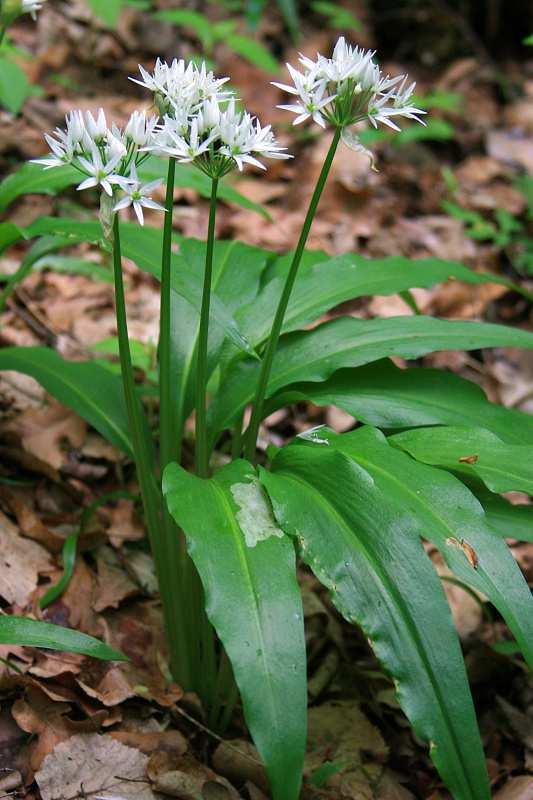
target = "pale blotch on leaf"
x: 254, y: 516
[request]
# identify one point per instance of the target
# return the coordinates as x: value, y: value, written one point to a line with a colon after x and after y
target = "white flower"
x: 209, y: 115
x: 140, y: 128
x: 96, y: 128
x: 311, y: 91
x: 138, y: 196
x: 184, y: 146
x: 101, y: 174
x: 241, y: 135
x: 31, y: 7
x: 349, y: 88
x: 182, y: 86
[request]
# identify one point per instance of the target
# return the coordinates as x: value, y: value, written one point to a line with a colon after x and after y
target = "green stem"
x: 170, y: 443
x: 162, y: 546
x: 141, y: 447
x: 202, y: 453
x: 270, y: 350
x: 3, y: 29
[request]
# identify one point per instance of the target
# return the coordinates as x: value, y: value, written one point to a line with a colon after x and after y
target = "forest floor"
x: 52, y: 464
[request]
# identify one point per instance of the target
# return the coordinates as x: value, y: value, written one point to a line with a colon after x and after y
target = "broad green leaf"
x: 508, y: 520
x: 322, y: 286
x: 74, y: 266
x: 41, y: 248
x: 247, y: 567
x: 435, y: 505
x: 34, y: 179
x: 14, y: 85
x: 349, y: 342
x: 472, y: 451
x: 143, y: 246
x: 362, y: 548
x: 388, y: 397
x: 34, y: 633
x: 88, y: 388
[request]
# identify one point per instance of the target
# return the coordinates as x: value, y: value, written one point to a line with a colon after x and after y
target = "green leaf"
x: 361, y: 547
x: 253, y: 51
x: 14, y: 86
x: 9, y: 234
x: 85, y: 386
x: 74, y: 266
x: 190, y: 19
x: 33, y: 633
x: 472, y: 451
x: 508, y: 520
x: 142, y: 244
x: 337, y: 16
x: 435, y: 505
x: 69, y: 562
x: 253, y: 601
x: 107, y: 10
x: 34, y: 179
x: 388, y: 397
x: 349, y: 342
x: 328, y: 283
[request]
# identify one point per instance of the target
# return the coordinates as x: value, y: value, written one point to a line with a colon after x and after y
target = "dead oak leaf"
x: 21, y: 562
x: 42, y: 432
x: 91, y: 766
x: 113, y: 584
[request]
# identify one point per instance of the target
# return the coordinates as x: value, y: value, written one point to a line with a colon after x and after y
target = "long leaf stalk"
x: 144, y: 462
x: 202, y: 452
x: 272, y: 343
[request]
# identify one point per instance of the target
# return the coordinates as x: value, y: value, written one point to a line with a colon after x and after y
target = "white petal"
x: 147, y: 202
x: 139, y: 212
x: 87, y: 184
x: 124, y: 203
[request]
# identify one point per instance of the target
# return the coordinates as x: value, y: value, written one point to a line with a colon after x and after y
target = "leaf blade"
x: 85, y: 386
x: 34, y: 633
x: 379, y: 575
x: 257, y: 613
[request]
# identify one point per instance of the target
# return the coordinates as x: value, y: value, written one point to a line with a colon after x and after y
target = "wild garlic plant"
x: 428, y: 461
x: 10, y: 10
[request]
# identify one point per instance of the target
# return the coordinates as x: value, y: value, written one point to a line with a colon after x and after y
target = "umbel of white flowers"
x: 106, y: 157
x: 11, y: 9
x: 346, y: 89
x: 201, y: 123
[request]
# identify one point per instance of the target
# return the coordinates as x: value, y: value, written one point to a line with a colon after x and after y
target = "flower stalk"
x: 202, y: 451
x: 272, y: 343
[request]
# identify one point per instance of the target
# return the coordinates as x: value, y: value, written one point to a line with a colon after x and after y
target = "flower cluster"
x: 346, y: 89
x: 108, y: 157
x: 201, y: 124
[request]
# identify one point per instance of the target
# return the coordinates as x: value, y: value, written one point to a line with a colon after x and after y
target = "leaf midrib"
x: 238, y: 536
x: 394, y: 593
